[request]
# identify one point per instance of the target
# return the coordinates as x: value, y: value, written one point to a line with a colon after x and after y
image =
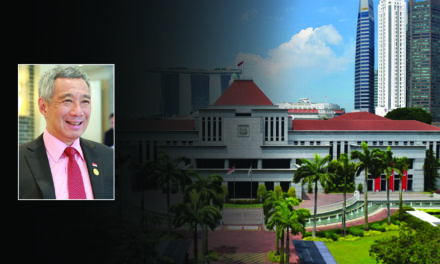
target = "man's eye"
x: 86, y: 102
x: 67, y: 101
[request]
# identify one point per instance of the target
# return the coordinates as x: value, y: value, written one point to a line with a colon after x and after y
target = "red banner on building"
x: 391, y: 182
x: 405, y: 181
x: 377, y: 184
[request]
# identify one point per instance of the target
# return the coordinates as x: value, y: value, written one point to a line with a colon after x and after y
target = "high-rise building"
x: 424, y: 56
x: 391, y: 79
x: 364, y: 62
x: 183, y: 91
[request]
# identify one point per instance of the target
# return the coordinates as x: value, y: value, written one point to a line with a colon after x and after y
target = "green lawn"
x: 255, y: 205
x: 355, y: 251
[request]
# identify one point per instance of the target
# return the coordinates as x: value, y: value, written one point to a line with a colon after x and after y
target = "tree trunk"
x: 287, y: 245
x: 344, y: 206
x: 366, y: 200
x: 203, y: 244
x: 388, y: 201
x: 282, y: 247
x: 400, y: 199
x: 206, y: 239
x: 195, y: 244
x: 315, y: 210
x: 168, y: 206
x: 277, y: 246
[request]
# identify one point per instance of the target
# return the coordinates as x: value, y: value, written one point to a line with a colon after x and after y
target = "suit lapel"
x: 96, y: 171
x: 36, y: 157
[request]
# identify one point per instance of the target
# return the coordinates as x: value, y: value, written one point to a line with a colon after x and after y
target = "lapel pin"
x: 95, y: 171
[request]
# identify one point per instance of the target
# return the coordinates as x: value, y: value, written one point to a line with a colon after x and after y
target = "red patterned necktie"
x: 74, y: 179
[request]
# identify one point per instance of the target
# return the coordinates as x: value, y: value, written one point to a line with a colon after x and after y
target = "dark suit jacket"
x: 35, y: 177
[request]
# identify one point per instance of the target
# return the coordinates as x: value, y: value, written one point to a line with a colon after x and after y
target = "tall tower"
x: 391, y: 79
x: 424, y: 56
x: 364, y: 62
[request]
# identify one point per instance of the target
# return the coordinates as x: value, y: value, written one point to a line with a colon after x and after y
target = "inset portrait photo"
x: 65, y: 125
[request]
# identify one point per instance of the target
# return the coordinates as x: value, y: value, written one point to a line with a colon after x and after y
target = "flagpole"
x: 250, y: 170
x: 234, y: 181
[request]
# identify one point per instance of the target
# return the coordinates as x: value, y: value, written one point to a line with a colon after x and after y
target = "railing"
x: 336, y: 206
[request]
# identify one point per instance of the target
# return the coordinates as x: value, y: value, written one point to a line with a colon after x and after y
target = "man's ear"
x: 43, y: 106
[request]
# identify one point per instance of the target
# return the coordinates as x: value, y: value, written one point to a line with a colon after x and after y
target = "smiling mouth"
x: 74, y: 123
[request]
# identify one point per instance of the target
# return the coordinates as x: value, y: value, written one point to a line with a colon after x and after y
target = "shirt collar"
x: 56, y: 147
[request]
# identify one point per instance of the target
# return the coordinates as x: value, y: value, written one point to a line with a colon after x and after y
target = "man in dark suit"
x: 59, y: 164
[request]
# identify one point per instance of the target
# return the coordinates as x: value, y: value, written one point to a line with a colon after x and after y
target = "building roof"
x: 359, y: 116
x: 243, y: 92
x: 361, y: 121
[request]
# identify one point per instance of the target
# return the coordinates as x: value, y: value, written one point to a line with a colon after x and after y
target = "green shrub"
x: 415, y: 223
x: 349, y: 238
x: 291, y: 192
x: 211, y: 256
x: 356, y: 231
x: 391, y: 227
x: 307, y: 234
x: 377, y: 227
x: 261, y: 192
x: 323, y: 239
x: 278, y: 190
x: 372, y: 233
x: 360, y: 187
x: 274, y: 258
x: 225, y: 192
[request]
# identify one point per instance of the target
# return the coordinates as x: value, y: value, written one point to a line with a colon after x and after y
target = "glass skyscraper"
x: 423, y: 71
x: 364, y: 63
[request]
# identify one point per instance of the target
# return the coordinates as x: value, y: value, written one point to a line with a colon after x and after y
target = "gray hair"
x: 47, y: 80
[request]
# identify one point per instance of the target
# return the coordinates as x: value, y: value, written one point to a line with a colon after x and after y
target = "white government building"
x: 245, y: 130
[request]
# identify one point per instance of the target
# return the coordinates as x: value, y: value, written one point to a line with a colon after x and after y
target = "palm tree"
x: 211, y: 193
x: 366, y: 162
x: 345, y: 168
x: 278, y: 220
x: 312, y: 172
x: 271, y: 200
x: 401, y: 165
x: 284, y: 217
x: 194, y: 213
x: 295, y: 220
x: 385, y: 163
x: 165, y: 174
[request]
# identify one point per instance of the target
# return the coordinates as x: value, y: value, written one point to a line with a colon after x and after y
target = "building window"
x: 211, y: 129
x: 410, y: 182
x: 210, y: 163
x: 276, y: 163
x: 274, y: 128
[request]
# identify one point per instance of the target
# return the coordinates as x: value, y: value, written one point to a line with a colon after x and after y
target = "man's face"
x: 67, y: 115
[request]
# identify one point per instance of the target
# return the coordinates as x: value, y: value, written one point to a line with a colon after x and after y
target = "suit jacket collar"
x: 93, y: 160
x: 38, y: 162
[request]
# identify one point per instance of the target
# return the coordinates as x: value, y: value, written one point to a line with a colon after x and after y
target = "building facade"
x: 424, y: 56
x: 364, y: 62
x: 244, y: 131
x: 391, y: 80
